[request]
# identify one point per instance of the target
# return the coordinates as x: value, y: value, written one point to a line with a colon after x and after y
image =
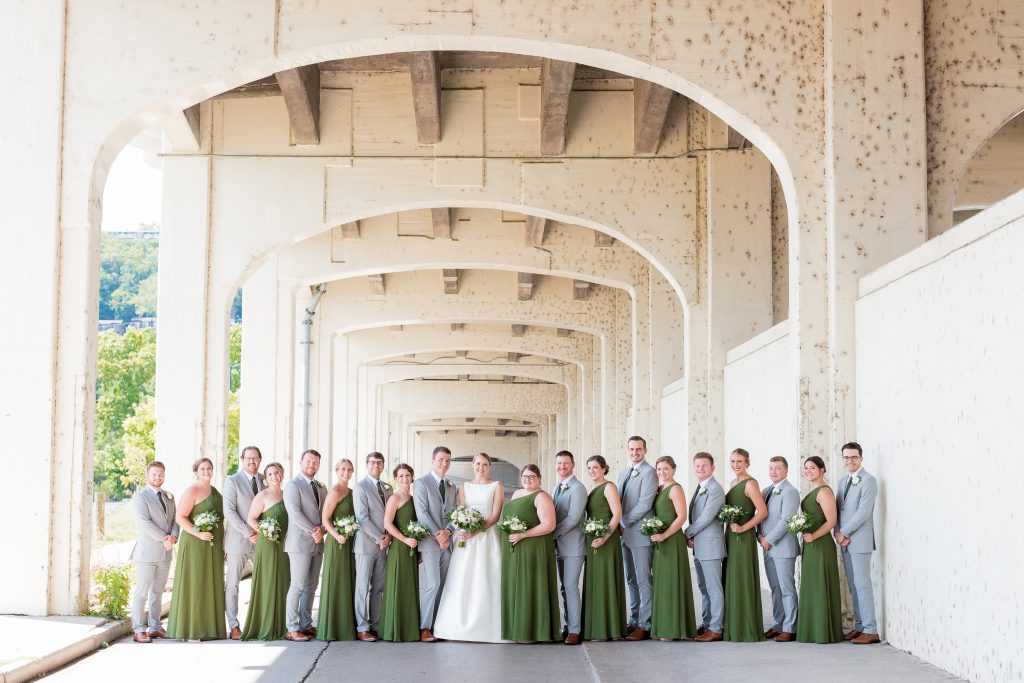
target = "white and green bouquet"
x: 595, y: 528
x: 798, y: 524
x: 270, y: 529
x: 206, y: 521
x: 731, y: 514
x: 416, y: 532
x: 650, y: 526
x: 512, y: 525
x: 465, y: 518
x: 346, y: 526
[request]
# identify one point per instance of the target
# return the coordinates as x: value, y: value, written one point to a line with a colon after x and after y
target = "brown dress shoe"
x: 296, y: 636
x: 701, y: 631
x: 159, y: 633
x: 572, y: 639
x: 366, y: 637
x: 141, y: 637
x: 785, y: 637
x: 851, y: 635
x: 771, y: 633
x: 427, y: 637
x: 709, y: 636
x: 866, y: 639
x: 638, y: 634
x: 311, y: 631
x: 236, y: 634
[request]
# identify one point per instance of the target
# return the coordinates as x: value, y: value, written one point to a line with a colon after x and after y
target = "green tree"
x: 235, y: 384
x: 128, y: 271
x: 138, y: 443
x: 125, y: 374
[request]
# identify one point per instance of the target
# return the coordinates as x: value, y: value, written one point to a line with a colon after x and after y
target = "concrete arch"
x: 956, y: 200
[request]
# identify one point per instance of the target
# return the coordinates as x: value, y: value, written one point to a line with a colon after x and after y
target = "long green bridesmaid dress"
x: 270, y: 577
x: 604, y: 597
x: 672, y: 614
x: 337, y: 619
x: 820, y: 618
x: 400, y: 610
x: 197, y: 602
x: 744, y: 622
x: 529, y: 580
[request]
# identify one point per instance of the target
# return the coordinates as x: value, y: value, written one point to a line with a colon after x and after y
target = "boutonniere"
x: 702, y: 491
x: 776, y: 490
x: 855, y: 480
x: 635, y: 473
x: 386, y: 487
x: 563, y: 487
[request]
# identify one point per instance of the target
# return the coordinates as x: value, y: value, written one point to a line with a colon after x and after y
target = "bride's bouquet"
x: 798, y: 524
x: 346, y: 526
x: 730, y: 514
x: 512, y: 525
x: 270, y: 529
x: 595, y: 528
x: 465, y: 518
x: 417, y: 532
x: 650, y: 526
x: 206, y: 521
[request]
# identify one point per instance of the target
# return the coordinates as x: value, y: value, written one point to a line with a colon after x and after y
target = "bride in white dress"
x: 470, y: 606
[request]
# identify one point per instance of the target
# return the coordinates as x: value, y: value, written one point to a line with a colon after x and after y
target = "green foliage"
x: 139, y: 442
x: 125, y: 374
x: 112, y: 586
x: 128, y: 268
x: 235, y: 379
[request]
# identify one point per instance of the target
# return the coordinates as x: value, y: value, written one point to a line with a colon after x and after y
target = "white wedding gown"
x: 471, y: 600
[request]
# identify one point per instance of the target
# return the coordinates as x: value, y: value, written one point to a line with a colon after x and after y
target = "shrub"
x: 112, y: 586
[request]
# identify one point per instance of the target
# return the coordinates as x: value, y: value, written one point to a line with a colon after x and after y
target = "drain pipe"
x: 307, y: 343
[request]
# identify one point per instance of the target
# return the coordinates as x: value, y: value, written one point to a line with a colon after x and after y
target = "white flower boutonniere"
x: 635, y: 473
x: 776, y: 491
x: 702, y: 491
x: 563, y: 487
x: 169, y: 495
x: 855, y: 481
x: 387, y: 487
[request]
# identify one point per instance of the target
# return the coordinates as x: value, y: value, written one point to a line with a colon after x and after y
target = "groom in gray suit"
x: 570, y: 497
x: 434, y: 497
x: 855, y: 534
x: 304, y: 543
x: 371, y: 547
x: 239, y: 538
x: 781, y: 549
x: 706, y: 536
x: 638, y: 484
x: 158, y: 532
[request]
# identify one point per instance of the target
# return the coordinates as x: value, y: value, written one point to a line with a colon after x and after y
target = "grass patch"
x: 120, y: 523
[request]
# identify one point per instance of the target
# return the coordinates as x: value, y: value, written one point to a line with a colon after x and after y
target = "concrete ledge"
x: 756, y: 343
x: 976, y: 227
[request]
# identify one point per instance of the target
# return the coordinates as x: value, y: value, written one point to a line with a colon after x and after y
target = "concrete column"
x: 738, y: 271
x: 642, y: 403
x: 258, y: 395
x: 48, y: 273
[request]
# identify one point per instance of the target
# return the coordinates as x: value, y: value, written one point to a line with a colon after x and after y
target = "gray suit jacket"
x: 238, y: 497
x: 856, y: 512
x: 431, y: 511
x: 303, y: 515
x: 370, y: 515
x: 781, y: 507
x: 153, y: 525
x: 637, y: 499
x: 570, y: 509
x: 707, y: 532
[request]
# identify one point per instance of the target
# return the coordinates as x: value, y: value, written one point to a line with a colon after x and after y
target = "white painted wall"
x: 939, y: 369
x: 757, y: 415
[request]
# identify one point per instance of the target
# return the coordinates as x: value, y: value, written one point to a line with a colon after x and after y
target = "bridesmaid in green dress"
x: 529, y: 579
x: 744, y: 622
x: 197, y: 603
x: 820, y: 618
x: 604, y: 597
x: 337, y: 619
x: 672, y: 614
x: 270, y: 569
x: 400, y: 609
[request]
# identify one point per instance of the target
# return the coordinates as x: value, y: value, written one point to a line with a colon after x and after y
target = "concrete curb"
x: 50, y: 662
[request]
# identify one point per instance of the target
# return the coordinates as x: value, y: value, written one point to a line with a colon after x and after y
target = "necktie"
x: 316, y: 492
x: 255, y: 489
x: 380, y: 492
x: 160, y: 497
x: 558, y: 492
x: 849, y: 483
x: 693, y: 501
x: 440, y: 489
x: 771, y: 492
